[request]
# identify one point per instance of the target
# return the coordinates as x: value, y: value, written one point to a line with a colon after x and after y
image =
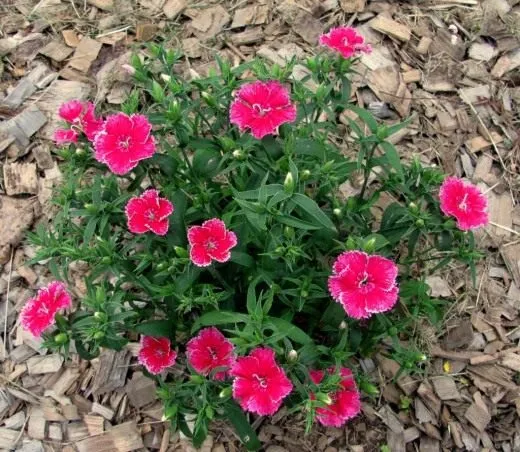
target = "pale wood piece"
x: 85, y: 54
x: 173, y: 8
x: 250, y: 15
x: 20, y: 178
x: 445, y: 388
x: 44, y: 364
x: 56, y: 51
x: 113, y: 368
x: 391, y: 28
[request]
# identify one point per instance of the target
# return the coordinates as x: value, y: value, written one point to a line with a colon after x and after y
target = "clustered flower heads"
x: 363, y: 284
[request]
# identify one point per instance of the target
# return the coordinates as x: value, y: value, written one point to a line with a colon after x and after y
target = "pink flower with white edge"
x: 211, y: 241
x: 82, y: 117
x: 156, y: 354
x: 148, y: 212
x: 260, y: 384
x: 262, y: 107
x: 346, y: 402
x: 210, y: 350
x: 364, y: 284
x: 123, y: 142
x: 465, y: 202
x: 63, y: 137
x: 39, y: 312
x: 71, y: 111
x: 345, y: 40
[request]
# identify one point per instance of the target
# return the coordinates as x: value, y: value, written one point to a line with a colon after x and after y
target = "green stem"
x: 368, y: 168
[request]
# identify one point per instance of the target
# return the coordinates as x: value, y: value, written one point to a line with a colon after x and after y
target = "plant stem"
x: 368, y: 168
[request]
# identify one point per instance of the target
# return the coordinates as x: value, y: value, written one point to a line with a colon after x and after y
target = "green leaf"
x: 314, y: 211
x: 297, y: 223
x: 306, y: 146
x: 219, y: 318
x: 268, y: 190
x: 289, y: 330
x: 206, y: 162
x: 392, y: 157
x: 240, y: 258
x: 200, y: 431
x: 366, y: 116
x: 155, y: 328
x: 244, y: 430
x: 90, y: 228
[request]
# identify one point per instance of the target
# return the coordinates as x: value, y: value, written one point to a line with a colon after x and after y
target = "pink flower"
x: 210, y: 350
x: 156, y: 354
x: 71, y: 111
x: 82, y: 116
x: 123, y: 142
x: 38, y: 313
x: 363, y: 284
x: 211, y: 241
x: 148, y: 212
x: 65, y: 136
x: 260, y: 385
x: 262, y: 107
x: 345, y: 404
x: 345, y: 40
x: 465, y: 202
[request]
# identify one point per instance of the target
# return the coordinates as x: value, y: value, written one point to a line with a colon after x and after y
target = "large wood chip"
x: 8, y: 438
x: 37, y: 424
x: 250, y: 15
x: 141, y: 390
x: 66, y: 380
x: 71, y: 38
x: 105, y: 5
x: 428, y: 444
x: 85, y: 54
x: 445, y: 388
x: 395, y: 441
x: 192, y: 48
x: 209, y: 22
x: 511, y: 255
x: 501, y: 214
x: 511, y: 361
x: 475, y: 94
x: 479, y: 143
x: 392, y: 28
x: 56, y: 50
x: 459, y: 336
x: 352, y: 6
x: 20, y: 178
x: 426, y: 393
x: 390, y: 419
x: 495, y: 374
x: 387, y: 84
x: 95, y: 424
x: 478, y: 416
x: 173, y: 8
x: 248, y: 36
x: 113, y: 367
x: 44, y: 364
x: 22, y: 91
x: 445, y: 43
x: 506, y: 63
x: 482, y: 51
x: 422, y: 413
x: 308, y: 27
x: 126, y: 437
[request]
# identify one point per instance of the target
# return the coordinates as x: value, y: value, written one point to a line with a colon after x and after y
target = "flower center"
x: 363, y: 282
x: 150, y: 215
x: 261, y: 381
x: 210, y: 245
x: 212, y: 353
x: 124, y: 143
x: 463, y: 205
x: 260, y: 110
x: 160, y: 353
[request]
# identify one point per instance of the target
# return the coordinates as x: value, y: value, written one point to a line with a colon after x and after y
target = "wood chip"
x: 308, y: 27
x: 352, y: 6
x: 8, y: 438
x: 395, y: 441
x: 66, y: 380
x: 482, y: 51
x: 389, y: 87
x: 95, y: 424
x: 500, y: 213
x: 85, y: 54
x: 126, y: 437
x: 390, y: 419
x: 111, y: 374
x: 248, y: 36
x: 209, y: 22
x: 411, y: 434
x: 478, y: 416
x: 459, y: 336
x: 37, y: 424
x: 445, y: 388
x: 104, y: 411
x: 44, y: 364
x: 56, y: 50
x: 391, y: 28
x: 145, y: 32
x: 424, y: 45
x: 191, y: 47
x: 428, y: 444
x: 172, y: 8
x: 511, y: 361
x: 141, y: 390
x: 250, y: 15
x: 479, y: 143
x: 422, y: 413
x: 22, y: 91
x: 411, y: 76
x: 426, y: 393
x: 105, y: 5
x: 506, y: 63
x: 71, y: 38
x: 20, y: 178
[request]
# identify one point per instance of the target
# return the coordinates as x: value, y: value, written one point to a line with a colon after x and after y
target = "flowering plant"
x: 211, y: 224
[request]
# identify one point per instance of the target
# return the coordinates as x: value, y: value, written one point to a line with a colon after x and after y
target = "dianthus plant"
x: 253, y: 230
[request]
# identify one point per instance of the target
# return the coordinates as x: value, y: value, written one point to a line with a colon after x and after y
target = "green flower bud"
x: 225, y: 393
x: 106, y: 260
x: 337, y: 212
x: 279, y: 249
x: 162, y: 266
x: 306, y: 174
x: 210, y: 412
x: 292, y: 356
x: 419, y: 223
x: 61, y: 338
x: 167, y: 78
x: 324, y: 398
x: 304, y: 294
x: 210, y: 100
x: 328, y: 166
x: 350, y: 244
x: 101, y: 316
x: 99, y: 335
x: 180, y: 251
x: 288, y: 232
x: 288, y: 184
x: 370, y: 245
x: 227, y: 143
x: 369, y: 388
x: 312, y: 64
x: 413, y: 207
x: 80, y: 151
x: 90, y: 207
x: 392, y: 331
x: 343, y: 325
x: 197, y: 379
x: 239, y: 154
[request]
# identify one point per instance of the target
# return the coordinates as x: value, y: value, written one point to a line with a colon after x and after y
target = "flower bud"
x: 227, y: 143
x: 288, y: 232
x: 328, y: 166
x: 166, y: 77
x: 292, y: 356
x: 350, y: 244
x: 370, y: 245
x: 90, y: 207
x: 80, y: 151
x: 210, y: 412
x: 225, y: 393
x: 101, y: 316
x: 239, y: 154
x: 61, y: 338
x: 99, y: 335
x: 288, y: 184
x: 180, y: 251
x: 306, y: 174
x: 210, y: 100
x: 304, y: 293
x: 369, y: 388
x: 128, y: 69
x: 337, y: 211
x: 419, y: 222
x: 324, y: 398
x: 342, y: 325
x: 197, y: 379
x: 106, y: 260
x: 413, y: 207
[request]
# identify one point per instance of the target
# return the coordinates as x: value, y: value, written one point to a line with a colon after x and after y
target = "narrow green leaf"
x: 155, y: 328
x: 314, y: 211
x: 289, y: 330
x: 219, y: 318
x: 392, y: 156
x: 366, y: 117
x: 244, y: 430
